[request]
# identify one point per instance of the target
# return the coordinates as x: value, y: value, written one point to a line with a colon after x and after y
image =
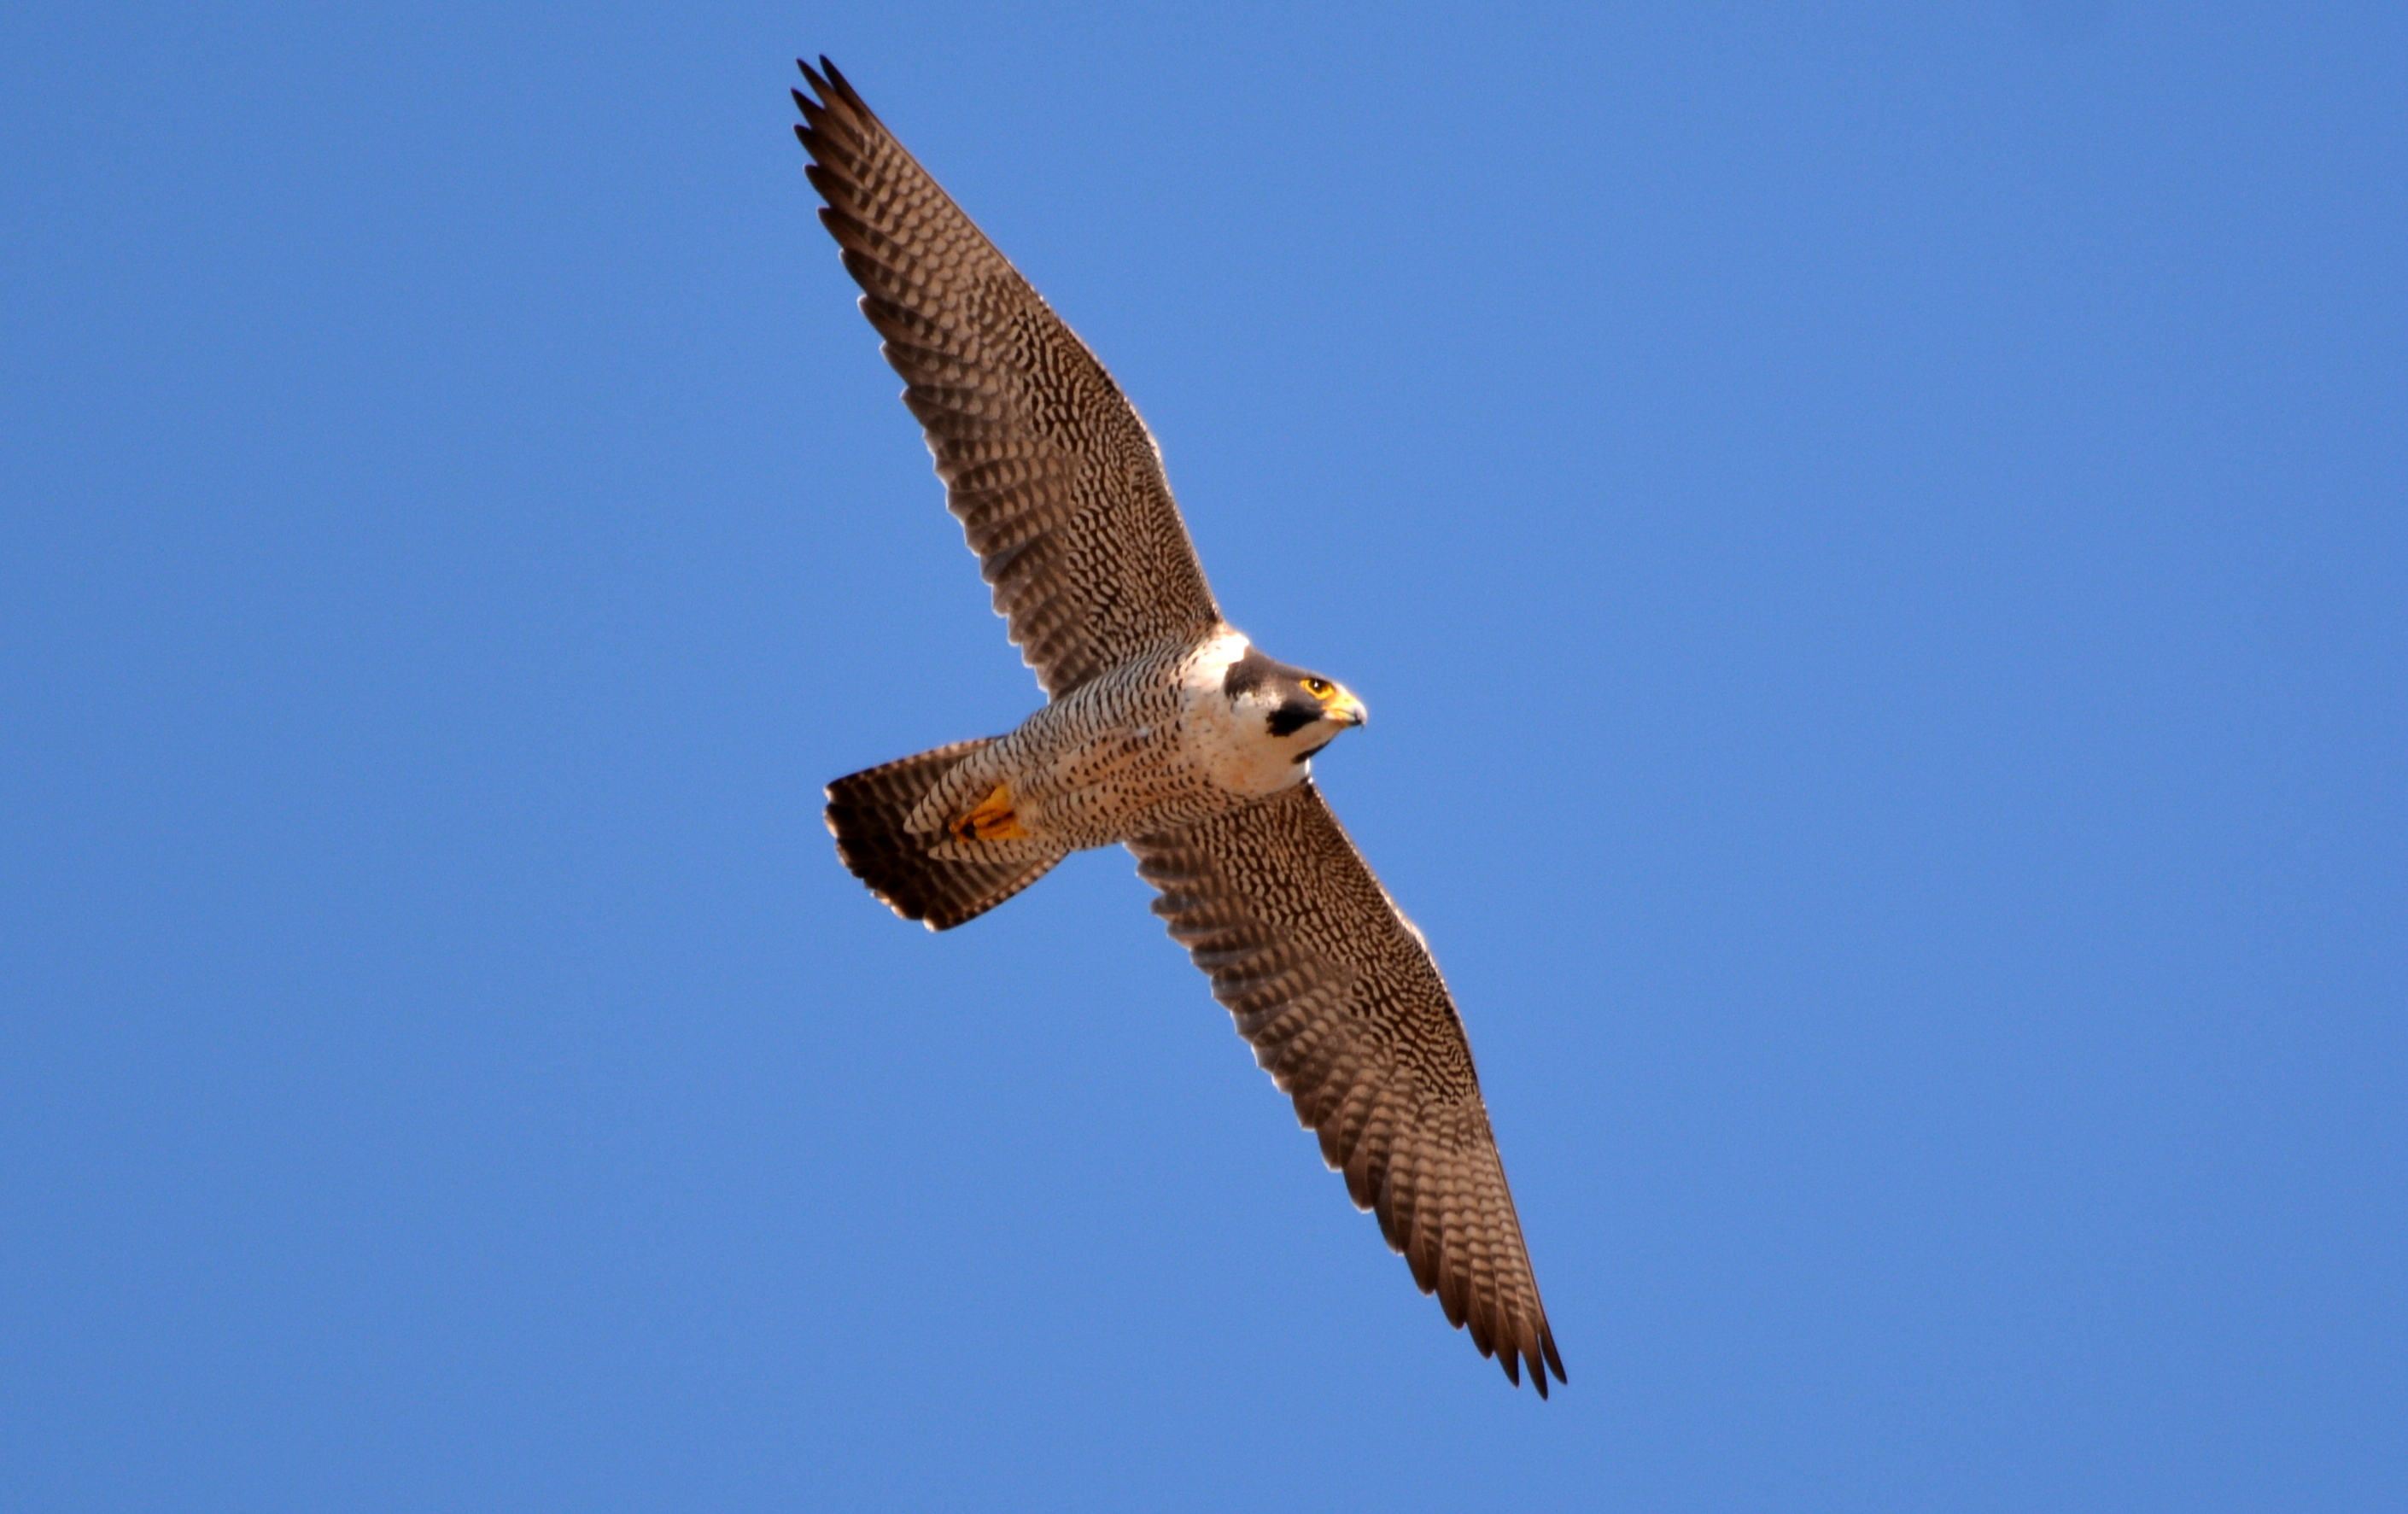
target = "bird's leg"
x: 992, y: 821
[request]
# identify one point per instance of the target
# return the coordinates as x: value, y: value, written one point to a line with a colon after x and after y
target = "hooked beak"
x: 1348, y: 710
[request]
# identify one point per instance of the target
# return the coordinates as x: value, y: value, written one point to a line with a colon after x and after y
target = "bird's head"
x: 1298, y: 710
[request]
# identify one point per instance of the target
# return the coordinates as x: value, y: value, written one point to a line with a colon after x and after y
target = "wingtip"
x: 1541, y: 1358
x: 1537, y: 1352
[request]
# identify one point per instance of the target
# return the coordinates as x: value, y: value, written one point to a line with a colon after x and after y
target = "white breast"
x: 1232, y: 748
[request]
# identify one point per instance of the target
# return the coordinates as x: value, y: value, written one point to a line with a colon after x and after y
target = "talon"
x: 992, y: 821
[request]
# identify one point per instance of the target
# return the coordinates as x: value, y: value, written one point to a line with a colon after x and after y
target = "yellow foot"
x: 992, y: 821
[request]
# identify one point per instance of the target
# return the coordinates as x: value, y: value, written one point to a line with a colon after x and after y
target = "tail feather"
x: 867, y: 812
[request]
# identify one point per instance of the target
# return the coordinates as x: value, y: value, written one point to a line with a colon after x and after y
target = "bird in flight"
x: 1164, y: 730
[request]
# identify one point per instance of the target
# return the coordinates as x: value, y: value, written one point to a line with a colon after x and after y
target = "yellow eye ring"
x: 1319, y: 688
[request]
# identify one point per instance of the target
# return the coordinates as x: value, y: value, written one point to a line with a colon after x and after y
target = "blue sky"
x: 1875, y: 536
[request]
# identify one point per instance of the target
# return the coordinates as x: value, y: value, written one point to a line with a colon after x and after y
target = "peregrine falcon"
x: 1164, y: 731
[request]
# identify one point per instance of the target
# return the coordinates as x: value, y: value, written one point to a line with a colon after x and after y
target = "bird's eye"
x: 1319, y: 688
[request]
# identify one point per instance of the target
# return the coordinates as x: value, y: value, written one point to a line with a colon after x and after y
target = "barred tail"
x: 866, y: 813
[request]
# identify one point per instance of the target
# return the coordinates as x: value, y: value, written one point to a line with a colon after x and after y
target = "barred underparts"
x: 1165, y: 730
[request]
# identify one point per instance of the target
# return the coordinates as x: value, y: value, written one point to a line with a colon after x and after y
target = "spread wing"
x: 1345, y: 1009
x: 1057, y: 483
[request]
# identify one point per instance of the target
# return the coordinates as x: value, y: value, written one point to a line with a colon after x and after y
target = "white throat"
x: 1232, y: 744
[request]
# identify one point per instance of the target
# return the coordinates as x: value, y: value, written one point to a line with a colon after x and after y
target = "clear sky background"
x: 1876, y: 538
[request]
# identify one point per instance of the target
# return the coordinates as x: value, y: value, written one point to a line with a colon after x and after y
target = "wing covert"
x: 1056, y: 481
x: 1346, y: 1010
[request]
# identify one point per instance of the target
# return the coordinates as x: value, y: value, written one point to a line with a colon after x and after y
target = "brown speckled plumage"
x: 1164, y: 731
x: 1057, y: 483
x: 1346, y: 1012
